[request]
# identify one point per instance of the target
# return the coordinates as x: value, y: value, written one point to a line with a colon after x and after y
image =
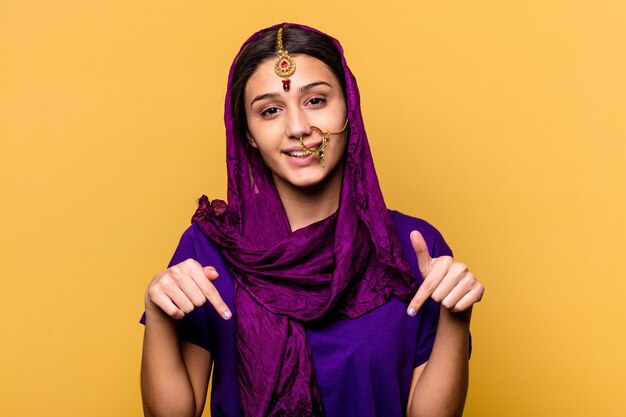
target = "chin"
x: 319, y: 179
x: 306, y: 182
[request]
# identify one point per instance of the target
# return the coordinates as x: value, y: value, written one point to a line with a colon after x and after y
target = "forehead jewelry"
x: 284, y: 66
x: 319, y: 151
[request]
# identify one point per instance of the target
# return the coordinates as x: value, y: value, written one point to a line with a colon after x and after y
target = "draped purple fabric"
x: 346, y: 264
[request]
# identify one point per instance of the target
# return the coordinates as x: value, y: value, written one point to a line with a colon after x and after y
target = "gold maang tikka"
x: 285, y: 65
x: 319, y: 151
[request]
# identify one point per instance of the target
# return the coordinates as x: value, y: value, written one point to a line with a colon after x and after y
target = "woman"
x: 320, y: 277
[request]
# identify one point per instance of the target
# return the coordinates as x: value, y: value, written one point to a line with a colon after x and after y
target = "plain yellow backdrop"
x: 502, y: 123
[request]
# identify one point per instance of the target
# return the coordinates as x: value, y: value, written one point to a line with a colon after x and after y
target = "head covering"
x: 344, y: 265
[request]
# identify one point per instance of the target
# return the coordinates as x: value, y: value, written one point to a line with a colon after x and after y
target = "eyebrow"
x: 303, y: 89
x: 313, y: 84
x: 263, y: 97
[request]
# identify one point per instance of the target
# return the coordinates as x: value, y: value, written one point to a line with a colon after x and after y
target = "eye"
x: 269, y: 112
x: 317, y: 101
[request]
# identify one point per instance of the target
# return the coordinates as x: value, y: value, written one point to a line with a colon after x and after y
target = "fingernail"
x: 411, y: 311
x: 227, y: 314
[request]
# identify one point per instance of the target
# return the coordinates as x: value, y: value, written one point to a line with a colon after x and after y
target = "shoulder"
x: 194, y: 235
x: 405, y: 224
x: 195, y: 244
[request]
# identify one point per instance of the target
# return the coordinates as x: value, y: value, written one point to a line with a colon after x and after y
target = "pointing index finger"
x: 423, y: 292
x: 430, y: 284
x: 210, y: 292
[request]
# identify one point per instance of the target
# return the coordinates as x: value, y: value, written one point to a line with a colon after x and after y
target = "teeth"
x: 298, y: 154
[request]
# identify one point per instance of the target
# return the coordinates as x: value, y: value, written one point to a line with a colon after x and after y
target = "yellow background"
x: 502, y: 123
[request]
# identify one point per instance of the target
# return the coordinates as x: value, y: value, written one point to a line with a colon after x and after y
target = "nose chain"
x: 319, y: 151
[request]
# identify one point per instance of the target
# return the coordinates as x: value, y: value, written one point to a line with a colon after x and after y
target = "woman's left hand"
x: 446, y: 281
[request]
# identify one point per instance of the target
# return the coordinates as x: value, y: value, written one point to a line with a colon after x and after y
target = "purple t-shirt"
x: 363, y: 366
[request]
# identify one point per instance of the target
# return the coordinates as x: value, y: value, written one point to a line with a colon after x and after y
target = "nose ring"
x: 319, y: 151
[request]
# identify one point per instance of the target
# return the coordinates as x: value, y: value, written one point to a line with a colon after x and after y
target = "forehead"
x: 308, y: 69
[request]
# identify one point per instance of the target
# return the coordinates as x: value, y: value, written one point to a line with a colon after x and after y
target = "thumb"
x: 210, y: 273
x: 421, y: 252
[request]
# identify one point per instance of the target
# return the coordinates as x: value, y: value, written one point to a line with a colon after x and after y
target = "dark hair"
x: 296, y: 41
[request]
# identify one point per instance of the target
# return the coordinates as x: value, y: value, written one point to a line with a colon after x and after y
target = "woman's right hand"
x: 183, y: 287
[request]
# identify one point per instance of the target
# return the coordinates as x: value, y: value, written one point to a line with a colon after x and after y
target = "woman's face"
x: 277, y: 119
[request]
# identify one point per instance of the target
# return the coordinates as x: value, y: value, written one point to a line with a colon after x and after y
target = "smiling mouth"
x: 299, y: 153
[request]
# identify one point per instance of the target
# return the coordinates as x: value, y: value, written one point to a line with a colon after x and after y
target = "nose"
x: 297, y: 124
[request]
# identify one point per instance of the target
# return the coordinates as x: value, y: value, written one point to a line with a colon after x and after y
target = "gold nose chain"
x: 319, y: 151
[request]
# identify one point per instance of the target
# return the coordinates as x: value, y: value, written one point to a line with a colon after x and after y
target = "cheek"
x: 341, y: 145
x: 265, y: 135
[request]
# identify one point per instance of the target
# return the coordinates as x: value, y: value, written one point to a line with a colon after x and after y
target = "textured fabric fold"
x: 347, y: 264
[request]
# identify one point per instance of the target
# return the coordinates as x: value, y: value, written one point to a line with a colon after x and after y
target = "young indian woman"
x: 304, y: 295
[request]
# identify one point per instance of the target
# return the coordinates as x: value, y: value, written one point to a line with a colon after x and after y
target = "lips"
x: 299, y: 148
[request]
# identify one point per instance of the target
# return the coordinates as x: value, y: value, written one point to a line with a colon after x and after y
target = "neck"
x: 305, y: 206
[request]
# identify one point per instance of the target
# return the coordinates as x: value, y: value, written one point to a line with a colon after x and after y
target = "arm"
x: 439, y: 387
x: 175, y: 375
